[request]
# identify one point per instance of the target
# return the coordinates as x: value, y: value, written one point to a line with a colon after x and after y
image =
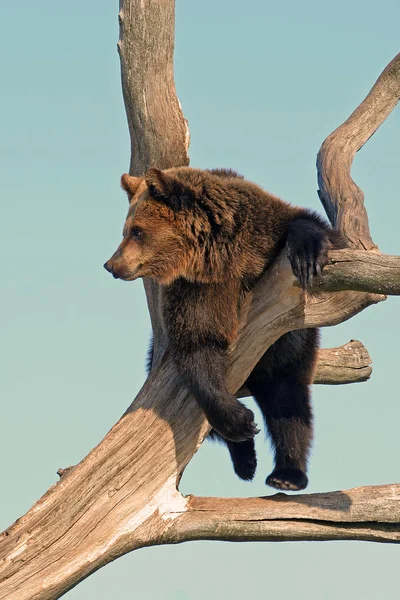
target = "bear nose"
x: 108, y: 266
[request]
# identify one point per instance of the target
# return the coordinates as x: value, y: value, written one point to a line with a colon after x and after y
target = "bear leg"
x: 287, y: 479
x: 287, y: 413
x: 243, y: 455
x: 307, y: 245
x: 280, y: 385
x: 204, y: 371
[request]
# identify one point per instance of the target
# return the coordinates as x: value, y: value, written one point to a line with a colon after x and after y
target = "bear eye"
x: 136, y: 233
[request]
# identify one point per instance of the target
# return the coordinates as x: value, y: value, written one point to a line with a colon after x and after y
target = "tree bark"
x: 124, y: 495
x: 158, y: 130
x: 349, y: 363
x: 342, y: 199
x: 379, y: 273
x: 369, y: 514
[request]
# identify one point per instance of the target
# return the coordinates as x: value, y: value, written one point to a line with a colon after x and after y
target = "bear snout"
x: 110, y: 267
x: 119, y: 270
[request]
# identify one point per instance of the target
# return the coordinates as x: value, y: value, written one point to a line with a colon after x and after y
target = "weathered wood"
x: 349, y: 363
x: 116, y: 499
x: 159, y: 132
x: 342, y: 199
x: 366, y: 513
x: 123, y: 494
x: 361, y: 271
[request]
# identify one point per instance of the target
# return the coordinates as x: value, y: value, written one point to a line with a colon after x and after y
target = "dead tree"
x: 124, y: 495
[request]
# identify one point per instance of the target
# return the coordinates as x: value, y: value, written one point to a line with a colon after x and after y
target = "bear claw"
x: 287, y: 479
x: 238, y: 425
x: 238, y: 432
x: 246, y: 470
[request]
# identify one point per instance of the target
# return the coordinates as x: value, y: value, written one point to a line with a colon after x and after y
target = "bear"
x: 207, y: 237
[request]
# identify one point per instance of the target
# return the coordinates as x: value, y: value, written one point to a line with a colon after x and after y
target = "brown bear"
x: 207, y: 237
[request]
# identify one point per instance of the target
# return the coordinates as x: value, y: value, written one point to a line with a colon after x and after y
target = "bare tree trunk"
x: 159, y: 133
x: 124, y: 495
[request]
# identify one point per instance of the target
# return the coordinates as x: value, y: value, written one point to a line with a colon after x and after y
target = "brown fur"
x: 207, y: 237
x: 218, y: 229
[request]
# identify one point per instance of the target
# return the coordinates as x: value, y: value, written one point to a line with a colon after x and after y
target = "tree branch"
x: 342, y: 199
x: 366, y: 513
x: 361, y: 271
x: 123, y: 494
x: 120, y: 497
x: 158, y: 130
x: 349, y: 363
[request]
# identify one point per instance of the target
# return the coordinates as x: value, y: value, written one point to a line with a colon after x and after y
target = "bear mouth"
x: 133, y: 274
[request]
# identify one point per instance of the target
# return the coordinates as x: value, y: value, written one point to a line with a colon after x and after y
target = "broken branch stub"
x: 349, y: 363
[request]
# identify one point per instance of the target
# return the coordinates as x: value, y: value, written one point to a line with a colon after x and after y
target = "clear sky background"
x: 262, y: 84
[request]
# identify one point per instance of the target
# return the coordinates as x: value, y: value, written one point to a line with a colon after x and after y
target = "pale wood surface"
x: 376, y: 272
x: 368, y: 514
x: 349, y: 363
x: 123, y: 495
x: 343, y: 200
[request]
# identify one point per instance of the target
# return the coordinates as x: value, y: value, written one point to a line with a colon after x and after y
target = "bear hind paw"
x: 293, y: 480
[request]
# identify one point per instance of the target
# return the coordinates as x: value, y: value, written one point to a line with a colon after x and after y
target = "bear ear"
x: 161, y: 185
x: 130, y: 184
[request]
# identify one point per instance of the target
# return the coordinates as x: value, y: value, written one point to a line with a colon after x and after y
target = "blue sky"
x: 262, y: 84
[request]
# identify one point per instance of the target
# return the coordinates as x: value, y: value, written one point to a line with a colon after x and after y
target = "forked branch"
x: 124, y: 495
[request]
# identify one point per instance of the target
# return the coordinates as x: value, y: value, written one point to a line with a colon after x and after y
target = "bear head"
x: 179, y: 224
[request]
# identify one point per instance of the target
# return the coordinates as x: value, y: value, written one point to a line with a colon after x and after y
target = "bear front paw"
x: 307, y: 245
x: 307, y: 262
x: 237, y: 424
